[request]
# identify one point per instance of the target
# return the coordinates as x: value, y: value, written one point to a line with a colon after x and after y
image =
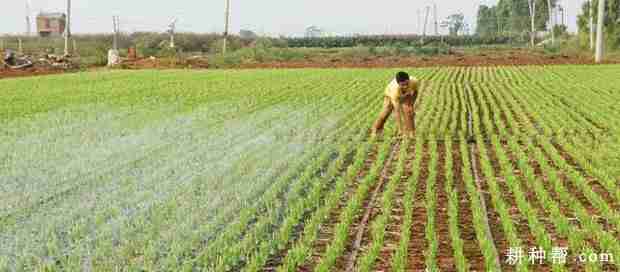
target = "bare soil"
x: 10, y: 73
x: 165, y: 63
x: 502, y: 58
x: 495, y: 223
x: 359, y: 232
x: 327, y: 229
x: 512, y: 57
x: 418, y: 243
x: 445, y: 254
x: 471, y: 248
x: 394, y: 227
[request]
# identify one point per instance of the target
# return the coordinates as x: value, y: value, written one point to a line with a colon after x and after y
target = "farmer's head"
x: 402, y: 78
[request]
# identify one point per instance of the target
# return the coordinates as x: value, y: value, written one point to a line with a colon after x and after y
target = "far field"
x: 274, y: 170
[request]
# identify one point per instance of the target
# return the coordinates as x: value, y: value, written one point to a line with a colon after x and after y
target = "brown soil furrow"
x: 418, y: 243
x: 326, y: 231
x: 482, y: 188
x: 482, y: 101
x: 476, y: 98
x: 563, y: 207
x: 516, y: 125
x: 278, y: 256
x: 567, y: 183
x: 445, y: 255
x: 473, y: 99
x: 440, y: 92
x: 29, y: 72
x: 513, y: 58
x: 593, y: 182
x: 460, y: 110
x: 542, y: 213
x: 519, y: 219
x: 495, y: 222
x: 524, y: 109
x: 502, y: 114
x: 478, y: 176
x: 452, y: 107
x: 578, y: 194
x: 597, y: 187
x: 359, y: 234
x: 471, y: 248
x: 572, y: 110
x: 394, y: 227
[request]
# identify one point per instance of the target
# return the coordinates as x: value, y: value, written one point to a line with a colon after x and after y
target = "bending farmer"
x: 400, y: 96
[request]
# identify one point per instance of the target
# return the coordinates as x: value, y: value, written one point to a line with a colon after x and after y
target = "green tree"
x: 513, y: 17
x: 486, y: 23
x: 456, y: 23
x: 612, y: 21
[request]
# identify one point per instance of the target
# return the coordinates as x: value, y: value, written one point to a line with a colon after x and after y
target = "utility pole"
x: 227, y: 15
x: 532, y: 6
x: 435, y: 19
x: 171, y: 28
x: 115, y: 22
x: 428, y: 10
x: 113, y: 56
x: 28, y: 25
x: 419, y: 21
x: 551, y: 23
x: 599, y: 31
x: 68, y: 28
x: 591, y: 25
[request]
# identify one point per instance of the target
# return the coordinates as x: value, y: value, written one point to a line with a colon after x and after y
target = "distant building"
x: 51, y: 24
x: 314, y: 32
x: 247, y: 34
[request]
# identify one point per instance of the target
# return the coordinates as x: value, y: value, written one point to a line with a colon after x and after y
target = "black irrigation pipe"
x: 472, y: 144
x: 520, y: 138
x: 357, y: 243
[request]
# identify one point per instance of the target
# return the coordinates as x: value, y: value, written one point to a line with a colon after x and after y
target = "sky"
x: 267, y: 17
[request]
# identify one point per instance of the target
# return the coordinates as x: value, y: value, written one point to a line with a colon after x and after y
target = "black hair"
x: 402, y: 76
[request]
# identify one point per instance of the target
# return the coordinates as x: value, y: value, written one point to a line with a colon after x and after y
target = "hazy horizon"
x: 270, y: 17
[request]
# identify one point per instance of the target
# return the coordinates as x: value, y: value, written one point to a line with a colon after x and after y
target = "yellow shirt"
x: 395, y: 92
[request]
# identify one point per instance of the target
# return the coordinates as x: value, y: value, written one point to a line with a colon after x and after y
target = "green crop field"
x: 275, y: 170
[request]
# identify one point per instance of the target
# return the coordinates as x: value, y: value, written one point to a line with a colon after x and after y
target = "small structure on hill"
x: 314, y: 32
x: 51, y: 24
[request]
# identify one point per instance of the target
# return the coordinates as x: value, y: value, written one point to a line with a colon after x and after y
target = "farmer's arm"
x: 415, y: 84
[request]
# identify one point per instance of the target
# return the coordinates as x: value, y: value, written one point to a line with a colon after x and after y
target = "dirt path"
x: 7, y: 73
